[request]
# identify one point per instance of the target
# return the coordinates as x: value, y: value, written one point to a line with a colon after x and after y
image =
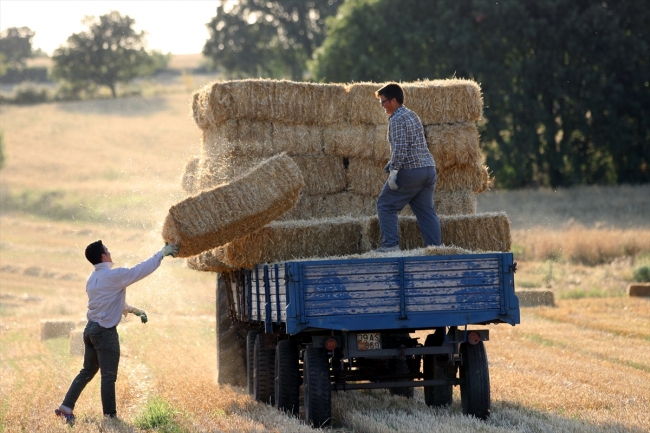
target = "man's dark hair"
x: 390, y: 91
x: 94, y: 252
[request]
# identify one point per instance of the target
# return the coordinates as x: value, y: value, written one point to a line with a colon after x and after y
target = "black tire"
x: 401, y: 367
x: 263, y: 374
x: 475, y: 391
x: 231, y: 347
x: 435, y: 367
x: 250, y: 358
x: 317, y: 393
x: 287, y: 377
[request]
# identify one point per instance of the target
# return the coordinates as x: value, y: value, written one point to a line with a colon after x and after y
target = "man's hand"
x: 169, y: 250
x: 392, y: 178
x: 143, y: 316
x: 138, y: 312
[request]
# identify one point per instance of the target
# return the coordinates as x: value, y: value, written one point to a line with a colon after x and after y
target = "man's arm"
x: 399, y: 143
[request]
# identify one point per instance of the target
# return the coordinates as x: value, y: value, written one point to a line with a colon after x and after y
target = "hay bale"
x: 232, y: 210
x: 189, y: 179
x: 309, y: 103
x: 331, y: 206
x: 55, y: 328
x: 291, y: 240
x: 297, y: 139
x: 366, y: 176
x: 454, y: 144
x: 201, y: 111
x: 444, y: 101
x: 239, y: 138
x: 639, y: 289
x: 77, y: 346
x: 535, y: 298
x: 441, y: 250
x: 474, y: 177
x: 363, y: 106
x: 480, y: 232
x: 208, y: 261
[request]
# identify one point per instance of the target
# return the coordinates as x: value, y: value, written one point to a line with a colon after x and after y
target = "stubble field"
x: 110, y: 169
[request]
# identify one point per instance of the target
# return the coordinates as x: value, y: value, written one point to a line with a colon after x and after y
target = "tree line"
x: 565, y: 82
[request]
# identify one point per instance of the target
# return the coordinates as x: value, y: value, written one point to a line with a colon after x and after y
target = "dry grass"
x: 581, y: 366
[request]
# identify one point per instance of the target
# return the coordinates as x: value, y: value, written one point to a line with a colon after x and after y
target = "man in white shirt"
x: 106, y: 289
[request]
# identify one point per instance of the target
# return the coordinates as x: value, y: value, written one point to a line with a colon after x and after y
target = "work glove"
x: 392, y: 178
x: 138, y: 312
x: 169, y: 250
x: 387, y: 167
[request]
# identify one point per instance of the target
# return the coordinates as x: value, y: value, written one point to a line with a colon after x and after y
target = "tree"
x: 110, y: 51
x: 16, y: 45
x: 267, y: 38
x: 565, y: 81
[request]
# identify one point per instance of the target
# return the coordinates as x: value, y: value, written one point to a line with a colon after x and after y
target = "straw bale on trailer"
x: 535, y: 298
x: 474, y: 177
x: 366, y: 176
x: 208, y: 261
x: 441, y: 250
x: 461, y: 202
x: 454, y: 144
x: 479, y: 232
x: 309, y: 103
x: 240, y: 137
x: 639, y: 289
x: 201, y: 111
x: 363, y: 106
x: 190, y: 174
x: 330, y: 206
x: 444, y: 101
x: 232, y: 210
x: 350, y: 141
x: 55, y: 328
x: 290, y: 240
x: 297, y: 139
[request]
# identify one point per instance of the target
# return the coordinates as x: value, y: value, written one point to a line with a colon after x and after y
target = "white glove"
x: 392, y: 178
x: 169, y: 250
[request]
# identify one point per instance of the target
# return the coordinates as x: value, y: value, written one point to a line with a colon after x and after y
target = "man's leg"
x: 107, y: 344
x: 90, y: 367
x: 390, y: 203
x: 424, y: 209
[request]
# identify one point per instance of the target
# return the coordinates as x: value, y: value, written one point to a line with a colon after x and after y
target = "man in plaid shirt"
x: 412, y: 173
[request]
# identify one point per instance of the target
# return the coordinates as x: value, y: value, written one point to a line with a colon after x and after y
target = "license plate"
x: 369, y: 341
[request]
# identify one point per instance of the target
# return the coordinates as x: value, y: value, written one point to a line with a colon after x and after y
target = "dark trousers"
x: 416, y: 187
x: 102, y: 352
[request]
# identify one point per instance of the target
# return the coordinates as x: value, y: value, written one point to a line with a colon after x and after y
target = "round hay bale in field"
x: 55, y: 328
x: 232, y: 210
x: 208, y: 261
x: 454, y: 144
x: 535, y: 298
x: 639, y: 289
x: 77, y: 345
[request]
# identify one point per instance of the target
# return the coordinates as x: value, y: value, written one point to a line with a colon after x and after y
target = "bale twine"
x: 208, y: 261
x: 639, y: 289
x: 474, y: 177
x: 77, y: 345
x: 535, y: 298
x: 232, y: 210
x: 189, y: 179
x: 291, y: 240
x: 454, y: 144
x: 55, y: 328
x: 479, y: 232
x: 444, y: 101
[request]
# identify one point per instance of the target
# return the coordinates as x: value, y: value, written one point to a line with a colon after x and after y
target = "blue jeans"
x: 416, y: 187
x: 102, y: 352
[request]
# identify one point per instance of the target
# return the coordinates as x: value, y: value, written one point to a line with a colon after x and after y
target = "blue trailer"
x: 337, y: 325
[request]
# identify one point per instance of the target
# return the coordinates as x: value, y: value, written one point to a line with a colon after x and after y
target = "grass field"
x: 109, y: 169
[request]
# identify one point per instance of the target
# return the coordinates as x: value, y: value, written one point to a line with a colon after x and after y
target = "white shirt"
x: 106, y: 289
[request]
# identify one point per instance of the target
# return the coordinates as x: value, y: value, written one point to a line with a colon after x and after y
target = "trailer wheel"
x: 317, y: 389
x: 401, y: 367
x: 435, y: 368
x: 250, y: 358
x: 263, y: 374
x: 287, y: 377
x: 475, y: 390
x: 231, y: 347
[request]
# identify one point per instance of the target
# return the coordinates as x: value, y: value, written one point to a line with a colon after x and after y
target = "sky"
x: 172, y: 26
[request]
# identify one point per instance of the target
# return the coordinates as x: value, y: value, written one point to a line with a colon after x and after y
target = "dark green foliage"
x: 110, y: 51
x: 267, y: 38
x: 565, y: 82
x: 642, y: 274
x: 16, y: 45
x: 29, y: 93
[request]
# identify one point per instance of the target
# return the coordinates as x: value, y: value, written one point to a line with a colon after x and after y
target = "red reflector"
x: 330, y: 344
x: 473, y: 338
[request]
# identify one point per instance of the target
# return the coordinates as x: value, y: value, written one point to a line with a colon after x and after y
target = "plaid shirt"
x: 408, y: 147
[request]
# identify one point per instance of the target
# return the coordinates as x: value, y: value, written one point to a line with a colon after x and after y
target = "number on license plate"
x: 369, y: 341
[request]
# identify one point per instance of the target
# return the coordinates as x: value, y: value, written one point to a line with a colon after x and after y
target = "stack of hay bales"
x: 337, y: 136
x: 56, y: 328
